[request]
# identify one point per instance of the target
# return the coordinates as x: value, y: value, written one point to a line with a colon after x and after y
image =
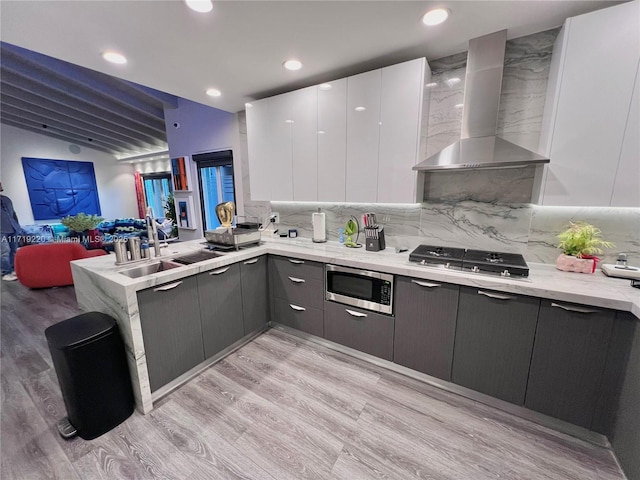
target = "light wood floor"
x: 279, y: 408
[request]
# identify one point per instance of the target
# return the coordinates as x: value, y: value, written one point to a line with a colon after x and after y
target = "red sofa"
x: 47, y: 264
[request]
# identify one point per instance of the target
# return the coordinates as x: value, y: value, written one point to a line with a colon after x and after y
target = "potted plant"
x: 83, y: 225
x: 580, y: 242
x: 170, y: 214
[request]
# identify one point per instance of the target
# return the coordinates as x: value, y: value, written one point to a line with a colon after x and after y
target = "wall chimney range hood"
x: 478, y: 146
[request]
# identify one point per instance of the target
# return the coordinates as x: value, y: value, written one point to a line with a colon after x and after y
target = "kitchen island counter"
x: 101, y: 287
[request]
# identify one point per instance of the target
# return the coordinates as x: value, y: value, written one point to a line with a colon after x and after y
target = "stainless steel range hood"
x: 478, y: 146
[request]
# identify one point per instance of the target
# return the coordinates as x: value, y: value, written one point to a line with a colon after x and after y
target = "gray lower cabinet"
x: 425, y: 325
x: 220, y: 297
x: 297, y: 290
x: 493, y: 343
x: 569, y: 356
x: 306, y: 319
x: 170, y: 318
x: 360, y: 329
x: 255, y: 293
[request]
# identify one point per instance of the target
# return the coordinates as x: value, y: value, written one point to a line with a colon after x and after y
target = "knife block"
x: 375, y: 244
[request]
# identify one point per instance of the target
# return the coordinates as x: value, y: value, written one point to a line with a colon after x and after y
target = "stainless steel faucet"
x: 152, y: 232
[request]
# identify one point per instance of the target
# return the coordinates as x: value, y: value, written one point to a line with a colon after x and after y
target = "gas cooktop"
x: 475, y: 261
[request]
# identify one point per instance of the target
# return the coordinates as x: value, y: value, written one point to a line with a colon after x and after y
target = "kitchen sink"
x: 149, y: 268
x: 196, y: 257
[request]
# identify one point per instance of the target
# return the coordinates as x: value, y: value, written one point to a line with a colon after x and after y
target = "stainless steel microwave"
x: 359, y: 288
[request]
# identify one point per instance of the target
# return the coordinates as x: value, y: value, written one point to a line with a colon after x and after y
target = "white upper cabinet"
x: 280, y: 148
x: 258, y: 143
x: 400, y: 113
x: 590, y: 101
x: 626, y: 189
x: 332, y: 141
x: 363, y: 136
x: 304, y: 114
x: 354, y: 139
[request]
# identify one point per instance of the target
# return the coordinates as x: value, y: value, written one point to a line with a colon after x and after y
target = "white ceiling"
x: 239, y: 47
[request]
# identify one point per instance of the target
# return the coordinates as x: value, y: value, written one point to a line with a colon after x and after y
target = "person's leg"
x: 13, y: 248
x: 7, y: 264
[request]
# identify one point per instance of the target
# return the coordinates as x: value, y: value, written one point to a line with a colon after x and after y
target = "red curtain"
x: 140, y: 195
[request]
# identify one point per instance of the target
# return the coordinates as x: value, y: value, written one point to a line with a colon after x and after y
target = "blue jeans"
x: 9, y: 244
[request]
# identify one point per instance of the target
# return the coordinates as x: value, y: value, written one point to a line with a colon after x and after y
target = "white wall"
x: 116, y: 189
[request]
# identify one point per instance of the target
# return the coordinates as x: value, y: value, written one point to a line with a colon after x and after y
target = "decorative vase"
x: 569, y: 263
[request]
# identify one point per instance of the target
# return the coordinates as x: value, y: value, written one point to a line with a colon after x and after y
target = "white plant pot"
x: 569, y: 263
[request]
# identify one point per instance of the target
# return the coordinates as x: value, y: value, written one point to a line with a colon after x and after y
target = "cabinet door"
x: 258, y: 143
x: 170, y: 318
x: 360, y: 329
x: 494, y: 339
x: 332, y: 141
x: 568, y: 361
x: 255, y: 294
x: 425, y: 325
x: 280, y: 148
x: 305, y: 319
x: 220, y: 297
x: 590, y: 118
x: 363, y: 136
x: 400, y: 115
x: 626, y: 189
x: 304, y: 113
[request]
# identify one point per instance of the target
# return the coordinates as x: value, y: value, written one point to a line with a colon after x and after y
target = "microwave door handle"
x: 353, y: 313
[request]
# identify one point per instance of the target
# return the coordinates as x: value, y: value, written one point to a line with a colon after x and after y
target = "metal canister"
x: 120, y: 249
x: 134, y: 248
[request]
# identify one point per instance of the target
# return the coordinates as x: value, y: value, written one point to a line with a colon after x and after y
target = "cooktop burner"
x: 476, y: 261
x: 431, y: 255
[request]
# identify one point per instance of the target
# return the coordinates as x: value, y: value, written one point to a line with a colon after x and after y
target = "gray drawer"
x: 360, y: 329
x: 306, y: 319
x: 297, y: 267
x: 297, y: 286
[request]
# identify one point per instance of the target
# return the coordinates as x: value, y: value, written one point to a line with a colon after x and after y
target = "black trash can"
x: 90, y: 361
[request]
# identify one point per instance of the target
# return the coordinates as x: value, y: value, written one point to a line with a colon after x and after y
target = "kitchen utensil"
x: 352, y: 228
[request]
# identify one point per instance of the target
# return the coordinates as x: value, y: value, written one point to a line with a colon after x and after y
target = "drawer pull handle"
x: 297, y: 262
x: 426, y: 284
x: 297, y: 280
x: 574, y: 309
x: 495, y: 295
x: 297, y: 308
x: 251, y: 262
x: 219, y: 271
x: 355, y: 314
x: 164, y: 288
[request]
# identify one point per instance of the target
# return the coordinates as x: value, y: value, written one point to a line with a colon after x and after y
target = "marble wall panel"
x: 524, y: 86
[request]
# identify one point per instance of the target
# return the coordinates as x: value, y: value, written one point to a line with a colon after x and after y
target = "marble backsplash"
x: 519, y: 228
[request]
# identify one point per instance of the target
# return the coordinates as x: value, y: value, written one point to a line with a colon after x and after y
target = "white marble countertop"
x: 544, y: 281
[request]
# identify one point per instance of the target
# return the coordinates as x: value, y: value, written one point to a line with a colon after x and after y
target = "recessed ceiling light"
x: 201, y: 6
x: 452, y: 81
x: 320, y: 132
x: 114, y: 57
x: 292, y: 64
x: 458, y: 105
x: 288, y: 121
x: 360, y: 109
x: 214, y: 92
x: 325, y: 86
x: 435, y: 16
x: 431, y: 84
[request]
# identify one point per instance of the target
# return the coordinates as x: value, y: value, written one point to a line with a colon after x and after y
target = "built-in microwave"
x: 360, y: 288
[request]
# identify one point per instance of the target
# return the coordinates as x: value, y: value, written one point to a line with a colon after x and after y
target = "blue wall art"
x: 60, y: 187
